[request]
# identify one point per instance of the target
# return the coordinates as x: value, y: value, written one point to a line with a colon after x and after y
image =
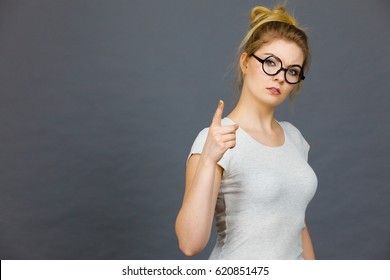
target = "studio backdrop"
x: 102, y: 100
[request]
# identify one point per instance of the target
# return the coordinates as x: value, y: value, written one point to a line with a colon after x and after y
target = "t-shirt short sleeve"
x: 305, y: 151
x: 299, y: 140
x: 197, y: 148
x: 305, y: 147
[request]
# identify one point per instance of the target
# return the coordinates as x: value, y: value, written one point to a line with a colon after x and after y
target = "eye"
x: 271, y: 61
x: 294, y: 71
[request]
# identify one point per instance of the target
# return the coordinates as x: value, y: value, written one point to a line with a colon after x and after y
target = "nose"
x: 279, y: 76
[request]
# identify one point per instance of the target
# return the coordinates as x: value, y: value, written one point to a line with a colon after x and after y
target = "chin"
x: 275, y: 98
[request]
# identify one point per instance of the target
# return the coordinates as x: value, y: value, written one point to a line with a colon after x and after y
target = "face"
x: 263, y: 88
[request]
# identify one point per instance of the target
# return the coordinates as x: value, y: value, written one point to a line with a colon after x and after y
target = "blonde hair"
x: 267, y: 25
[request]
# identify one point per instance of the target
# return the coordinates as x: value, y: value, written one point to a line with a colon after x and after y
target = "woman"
x: 249, y: 170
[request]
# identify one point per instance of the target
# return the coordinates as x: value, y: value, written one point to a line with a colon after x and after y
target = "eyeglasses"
x: 272, y: 65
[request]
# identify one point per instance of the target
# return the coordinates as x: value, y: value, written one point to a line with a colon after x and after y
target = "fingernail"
x: 220, y: 102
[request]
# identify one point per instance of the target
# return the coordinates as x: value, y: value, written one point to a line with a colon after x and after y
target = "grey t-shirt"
x: 263, y: 196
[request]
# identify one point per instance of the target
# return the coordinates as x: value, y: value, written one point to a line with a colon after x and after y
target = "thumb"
x: 218, y: 114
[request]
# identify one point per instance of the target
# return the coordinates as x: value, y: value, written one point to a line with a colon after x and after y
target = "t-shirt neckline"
x: 259, y: 143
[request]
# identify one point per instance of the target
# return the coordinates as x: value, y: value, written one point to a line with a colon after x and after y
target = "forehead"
x: 289, y: 52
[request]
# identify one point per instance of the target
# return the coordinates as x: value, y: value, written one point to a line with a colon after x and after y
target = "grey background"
x: 101, y: 101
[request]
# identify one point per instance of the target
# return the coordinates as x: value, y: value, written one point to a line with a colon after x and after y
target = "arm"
x: 194, y: 221
x: 203, y: 180
x: 307, y: 245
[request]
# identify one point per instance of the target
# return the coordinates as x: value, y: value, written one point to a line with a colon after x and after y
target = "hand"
x: 220, y: 138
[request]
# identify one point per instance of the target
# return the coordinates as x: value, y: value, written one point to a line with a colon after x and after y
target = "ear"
x: 244, y: 62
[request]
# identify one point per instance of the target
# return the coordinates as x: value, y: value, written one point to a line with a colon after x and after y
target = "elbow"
x: 190, y: 246
x: 191, y: 242
x: 190, y: 251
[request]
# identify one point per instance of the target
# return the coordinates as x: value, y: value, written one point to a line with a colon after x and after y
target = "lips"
x: 274, y: 90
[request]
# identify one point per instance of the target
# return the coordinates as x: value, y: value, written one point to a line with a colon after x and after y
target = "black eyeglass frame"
x: 301, y: 75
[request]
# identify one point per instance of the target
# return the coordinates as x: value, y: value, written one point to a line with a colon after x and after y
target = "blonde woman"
x: 249, y: 170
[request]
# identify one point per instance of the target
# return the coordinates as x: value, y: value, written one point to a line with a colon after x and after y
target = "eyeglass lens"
x: 273, y: 65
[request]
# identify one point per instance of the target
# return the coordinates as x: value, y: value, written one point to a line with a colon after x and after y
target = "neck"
x: 253, y: 115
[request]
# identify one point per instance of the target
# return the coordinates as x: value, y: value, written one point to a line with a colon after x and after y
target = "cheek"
x: 289, y: 88
x: 256, y: 77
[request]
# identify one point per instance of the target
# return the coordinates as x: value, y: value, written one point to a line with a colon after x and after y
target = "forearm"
x: 307, y: 245
x: 194, y: 221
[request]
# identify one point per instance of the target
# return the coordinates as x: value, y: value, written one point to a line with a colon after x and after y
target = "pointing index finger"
x: 218, y: 114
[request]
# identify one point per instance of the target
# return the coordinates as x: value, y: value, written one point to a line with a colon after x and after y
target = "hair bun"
x: 260, y: 15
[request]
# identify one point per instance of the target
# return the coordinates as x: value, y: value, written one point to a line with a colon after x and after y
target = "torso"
x: 264, y: 193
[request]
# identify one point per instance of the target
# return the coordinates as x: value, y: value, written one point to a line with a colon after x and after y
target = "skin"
x: 254, y: 113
